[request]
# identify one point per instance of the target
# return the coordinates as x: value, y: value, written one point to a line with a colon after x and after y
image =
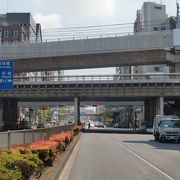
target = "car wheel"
x: 156, y: 137
x: 162, y: 139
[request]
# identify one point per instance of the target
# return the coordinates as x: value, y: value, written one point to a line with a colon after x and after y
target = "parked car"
x: 24, y: 125
x: 92, y: 124
x: 116, y: 125
x: 96, y: 123
x: 101, y: 124
x: 41, y: 125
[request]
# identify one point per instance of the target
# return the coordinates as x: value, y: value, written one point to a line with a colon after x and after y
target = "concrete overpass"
x: 113, y: 88
x: 96, y: 88
x: 138, y: 49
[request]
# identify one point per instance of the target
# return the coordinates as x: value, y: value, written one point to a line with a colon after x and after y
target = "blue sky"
x: 68, y: 13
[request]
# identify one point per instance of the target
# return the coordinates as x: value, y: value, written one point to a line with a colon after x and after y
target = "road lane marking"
x: 154, y: 167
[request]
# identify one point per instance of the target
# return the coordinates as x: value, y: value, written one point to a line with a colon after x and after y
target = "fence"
x: 92, y: 78
x: 25, y: 137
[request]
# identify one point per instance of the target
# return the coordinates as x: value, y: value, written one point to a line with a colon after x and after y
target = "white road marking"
x: 154, y: 167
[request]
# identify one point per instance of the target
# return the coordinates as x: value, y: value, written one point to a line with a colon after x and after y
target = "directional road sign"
x: 6, y: 74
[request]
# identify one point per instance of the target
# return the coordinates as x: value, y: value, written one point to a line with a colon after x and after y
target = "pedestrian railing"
x: 147, y: 77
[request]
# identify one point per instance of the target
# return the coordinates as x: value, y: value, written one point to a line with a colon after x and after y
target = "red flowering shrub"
x: 21, y: 162
x: 69, y: 135
x: 77, y: 129
x: 63, y: 139
x: 46, y: 150
x: 17, y: 146
x: 56, y: 138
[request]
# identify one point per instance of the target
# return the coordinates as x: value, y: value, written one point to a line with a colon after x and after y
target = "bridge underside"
x: 99, y: 60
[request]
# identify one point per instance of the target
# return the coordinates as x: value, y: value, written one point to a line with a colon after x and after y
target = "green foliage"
x: 47, y: 156
x: 44, y: 114
x: 108, y: 117
x: 20, y: 163
x: 62, y: 113
x: 62, y: 146
x: 25, y: 168
x: 8, y: 174
x: 15, y: 166
x: 76, y: 131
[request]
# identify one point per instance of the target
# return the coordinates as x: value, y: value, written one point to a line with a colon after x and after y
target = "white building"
x: 151, y: 17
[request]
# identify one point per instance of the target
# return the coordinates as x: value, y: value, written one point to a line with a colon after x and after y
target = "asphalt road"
x: 124, y: 157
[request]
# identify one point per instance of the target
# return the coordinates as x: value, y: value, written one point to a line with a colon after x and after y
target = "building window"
x: 5, y: 33
x: 157, y: 7
x: 156, y: 69
x: 16, y: 33
x: 155, y: 29
x: 163, y: 28
x: 9, y: 33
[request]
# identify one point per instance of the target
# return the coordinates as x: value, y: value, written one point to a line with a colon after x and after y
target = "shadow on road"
x: 115, y: 131
x: 158, y: 145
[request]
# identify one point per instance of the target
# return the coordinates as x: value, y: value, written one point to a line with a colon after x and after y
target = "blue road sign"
x: 6, y: 74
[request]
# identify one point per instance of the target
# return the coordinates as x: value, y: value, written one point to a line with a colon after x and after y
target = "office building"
x: 151, y: 17
x: 19, y: 28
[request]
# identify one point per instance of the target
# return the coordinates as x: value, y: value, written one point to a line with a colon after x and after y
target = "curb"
x: 55, y: 171
x: 65, y: 157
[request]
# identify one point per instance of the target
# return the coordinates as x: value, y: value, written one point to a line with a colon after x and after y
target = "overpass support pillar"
x: 8, y: 114
x: 153, y: 106
x: 77, y: 110
x: 160, y: 105
x: 177, y: 67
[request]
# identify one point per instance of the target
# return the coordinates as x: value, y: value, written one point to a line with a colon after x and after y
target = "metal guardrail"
x: 25, y: 137
x: 154, y: 77
x: 55, y: 37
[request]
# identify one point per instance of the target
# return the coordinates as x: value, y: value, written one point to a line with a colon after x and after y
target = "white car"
x: 92, y: 124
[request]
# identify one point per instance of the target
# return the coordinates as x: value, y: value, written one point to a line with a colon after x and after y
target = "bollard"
x: 33, y: 137
x: 24, y: 138
x: 9, y: 139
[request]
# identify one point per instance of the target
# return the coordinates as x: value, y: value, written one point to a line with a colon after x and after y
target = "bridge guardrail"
x: 154, y: 77
x: 24, y: 137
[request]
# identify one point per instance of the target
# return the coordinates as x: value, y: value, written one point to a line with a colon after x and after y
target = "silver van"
x: 166, y: 128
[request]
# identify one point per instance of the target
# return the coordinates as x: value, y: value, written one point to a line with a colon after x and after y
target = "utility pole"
x: 177, y: 14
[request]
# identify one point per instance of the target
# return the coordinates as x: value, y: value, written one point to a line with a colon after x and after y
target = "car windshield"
x: 171, y: 123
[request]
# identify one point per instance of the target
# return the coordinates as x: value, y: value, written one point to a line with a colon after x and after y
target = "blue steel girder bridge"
x: 150, y: 88
x: 137, y: 49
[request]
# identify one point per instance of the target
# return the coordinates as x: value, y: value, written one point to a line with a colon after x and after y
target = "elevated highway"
x: 138, y: 49
x: 150, y: 88
x: 95, y: 88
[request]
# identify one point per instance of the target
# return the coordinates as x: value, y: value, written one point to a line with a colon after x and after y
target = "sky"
x: 78, y: 13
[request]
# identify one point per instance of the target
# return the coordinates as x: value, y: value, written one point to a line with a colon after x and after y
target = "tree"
x: 108, y: 117
x: 63, y: 113
x: 44, y: 114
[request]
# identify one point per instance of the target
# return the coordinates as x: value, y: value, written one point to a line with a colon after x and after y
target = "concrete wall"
x: 139, y: 41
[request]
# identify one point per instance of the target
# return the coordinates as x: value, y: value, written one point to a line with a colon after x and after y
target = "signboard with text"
x: 6, y: 74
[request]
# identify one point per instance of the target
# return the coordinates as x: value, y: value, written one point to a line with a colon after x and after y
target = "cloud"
x: 48, y: 21
x: 89, y: 8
